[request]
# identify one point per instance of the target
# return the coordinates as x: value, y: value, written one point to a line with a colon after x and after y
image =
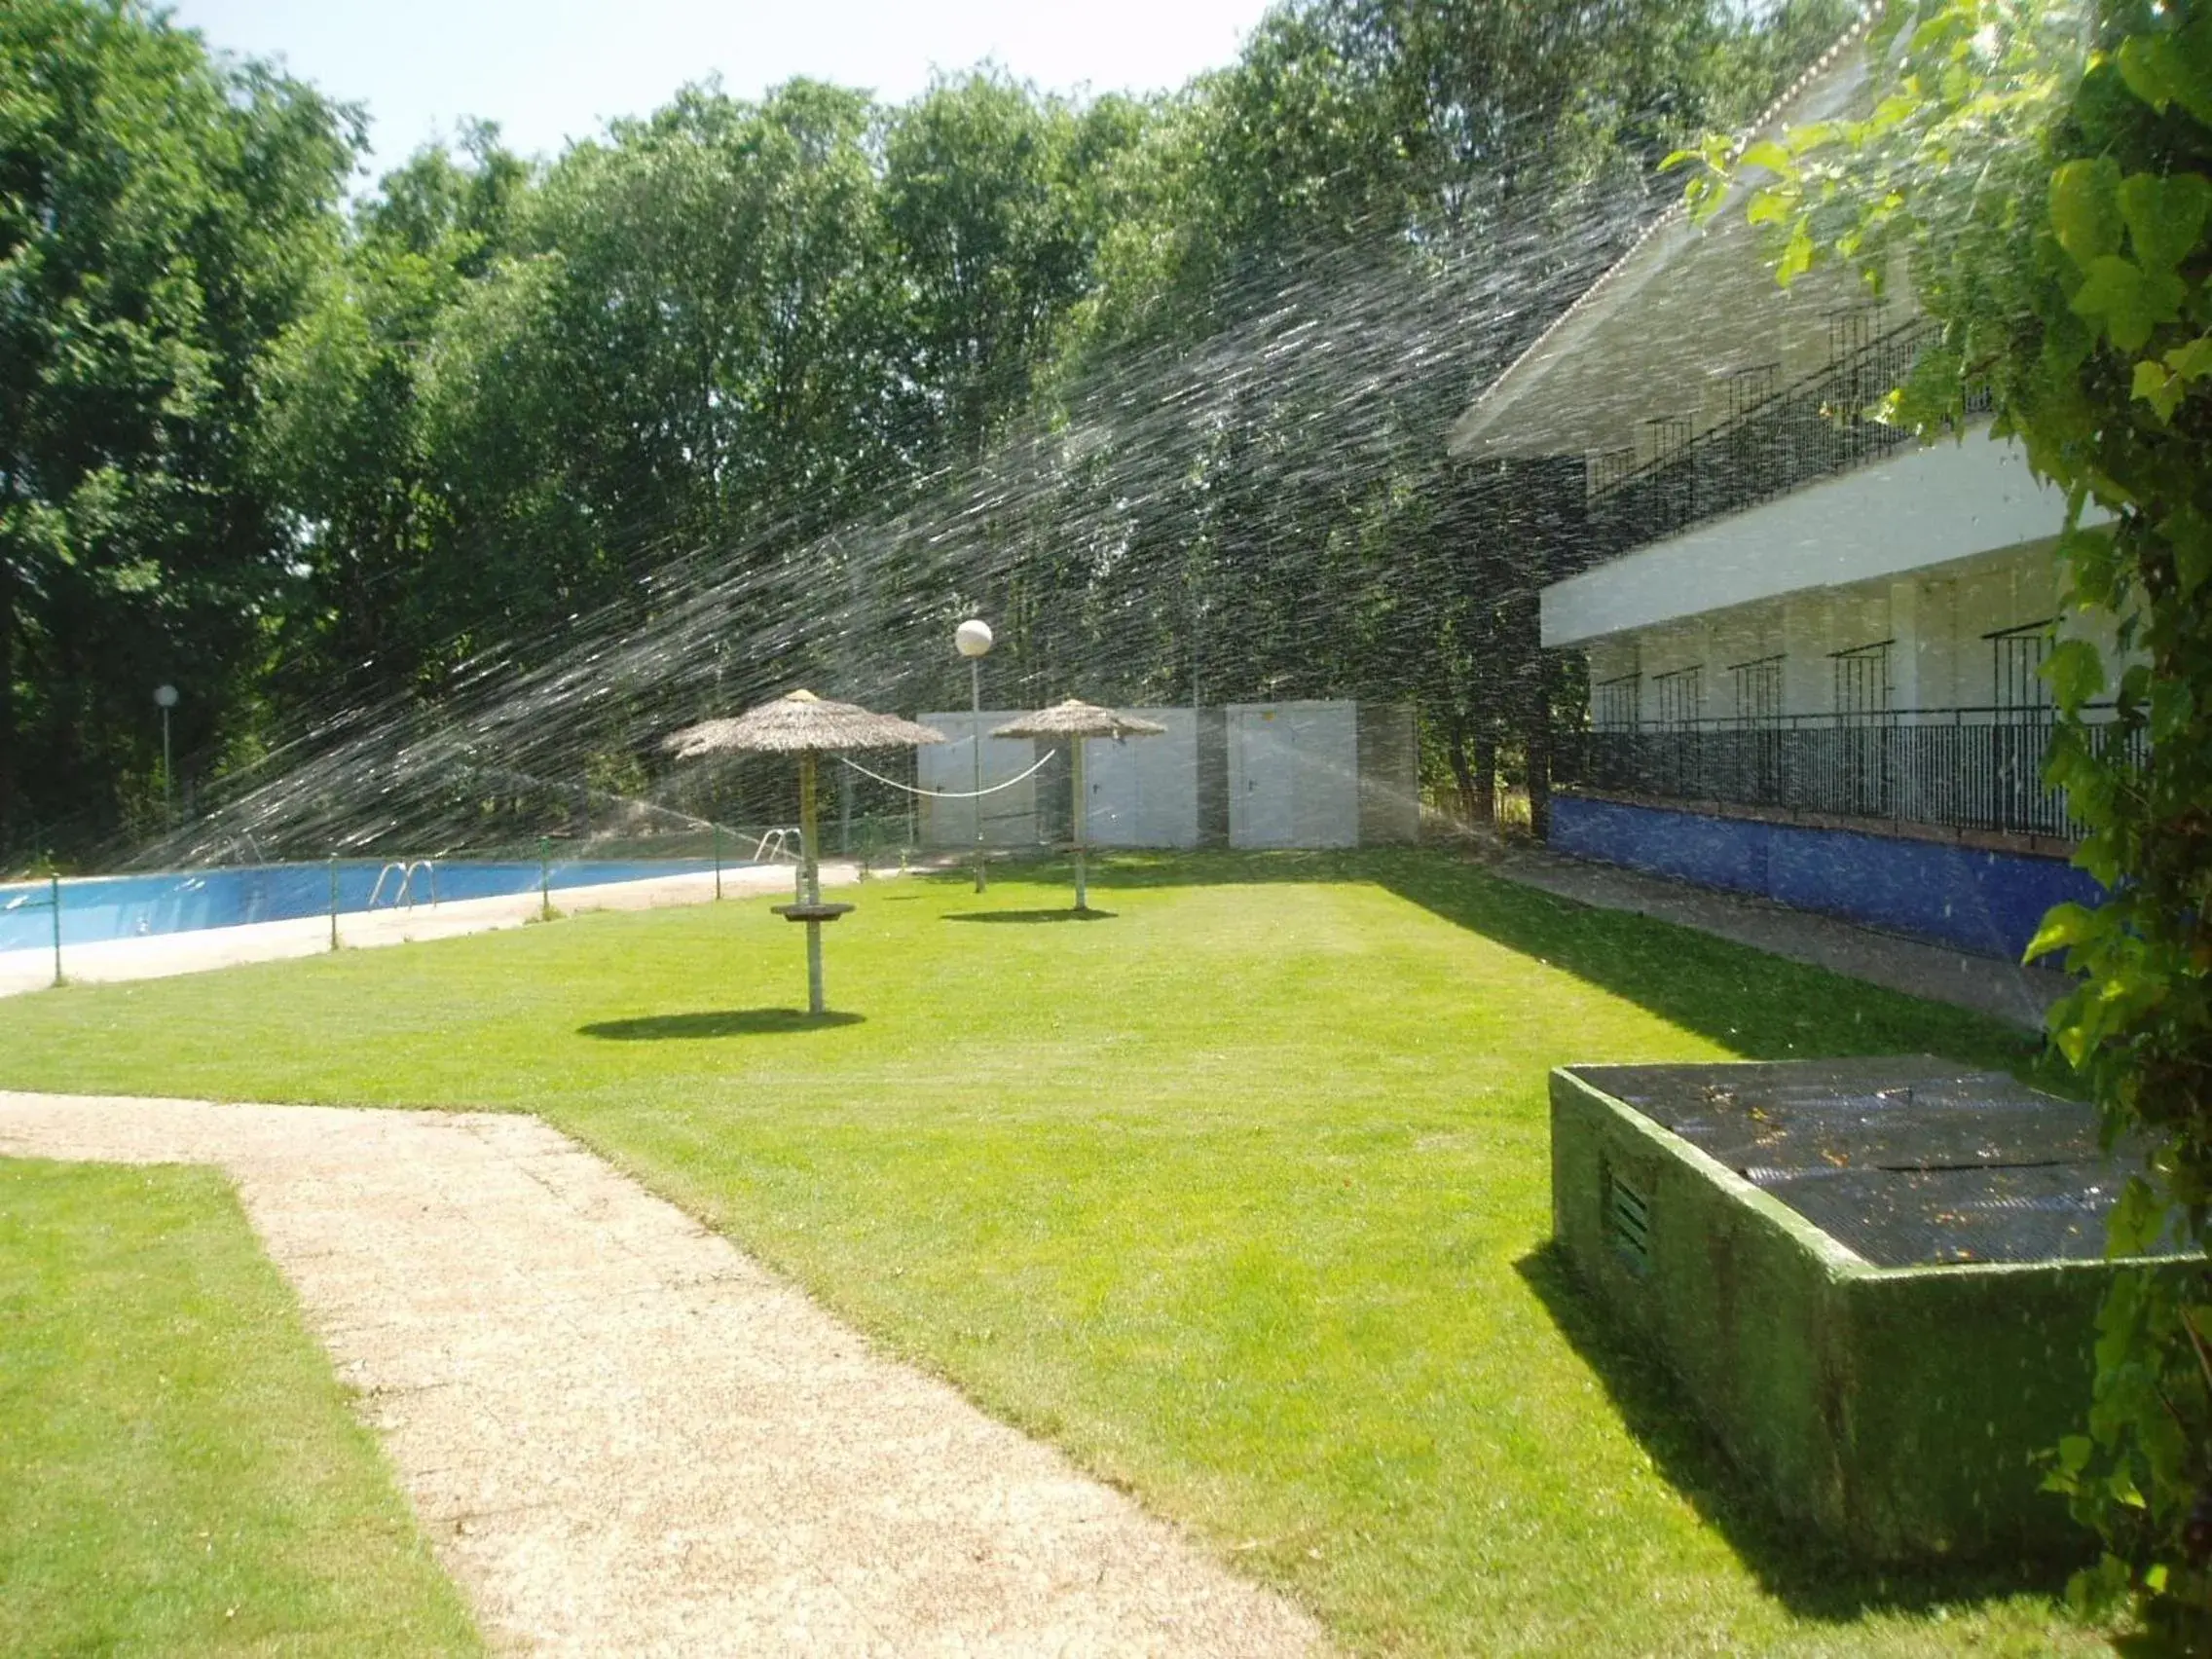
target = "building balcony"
x: 1948, y: 771
x: 1775, y: 442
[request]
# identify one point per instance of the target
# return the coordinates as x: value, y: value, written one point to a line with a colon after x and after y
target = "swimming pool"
x: 131, y: 906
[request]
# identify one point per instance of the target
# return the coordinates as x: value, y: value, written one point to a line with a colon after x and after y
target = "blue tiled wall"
x: 1985, y: 901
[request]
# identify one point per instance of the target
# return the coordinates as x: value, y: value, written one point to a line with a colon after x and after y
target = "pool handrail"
x: 405, y: 895
x: 776, y: 844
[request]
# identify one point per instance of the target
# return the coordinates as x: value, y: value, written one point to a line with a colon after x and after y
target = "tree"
x: 344, y: 441
x: 1167, y: 371
x: 2040, y: 174
x: 983, y: 197
x: 161, y: 220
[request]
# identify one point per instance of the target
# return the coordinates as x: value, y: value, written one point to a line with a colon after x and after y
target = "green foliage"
x: 991, y: 203
x: 2038, y: 176
x: 307, y: 462
x: 162, y: 219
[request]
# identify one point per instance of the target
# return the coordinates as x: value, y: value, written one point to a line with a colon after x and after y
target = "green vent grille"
x: 1628, y: 1221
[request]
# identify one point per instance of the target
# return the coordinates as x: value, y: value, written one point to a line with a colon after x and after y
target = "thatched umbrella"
x: 1079, y: 722
x: 803, y: 725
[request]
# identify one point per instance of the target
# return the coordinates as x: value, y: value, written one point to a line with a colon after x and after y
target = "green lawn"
x: 179, y: 1473
x: 1240, y: 1194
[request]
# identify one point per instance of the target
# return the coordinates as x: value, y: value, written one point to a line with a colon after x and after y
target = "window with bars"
x: 1854, y: 328
x: 1863, y: 782
x: 1757, y: 685
x: 1862, y: 679
x: 1609, y: 470
x: 1678, y: 696
x: 1669, y: 434
x: 2015, y: 791
x: 2016, y: 662
x: 1750, y: 387
x: 1613, y: 703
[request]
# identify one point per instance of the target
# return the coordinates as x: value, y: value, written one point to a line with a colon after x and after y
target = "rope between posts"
x: 947, y: 794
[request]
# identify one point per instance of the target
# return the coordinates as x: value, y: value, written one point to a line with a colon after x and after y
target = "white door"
x: 1114, y: 813
x: 1144, y: 791
x: 1263, y: 779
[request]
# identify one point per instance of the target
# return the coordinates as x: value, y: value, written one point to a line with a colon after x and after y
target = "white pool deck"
x: 157, y: 956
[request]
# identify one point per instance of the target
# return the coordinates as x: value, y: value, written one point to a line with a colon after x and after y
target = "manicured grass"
x: 1241, y: 1195
x: 179, y: 1473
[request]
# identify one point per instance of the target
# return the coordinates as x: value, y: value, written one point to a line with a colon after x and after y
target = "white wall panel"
x: 1924, y: 509
x: 1010, y: 817
x: 1293, y: 774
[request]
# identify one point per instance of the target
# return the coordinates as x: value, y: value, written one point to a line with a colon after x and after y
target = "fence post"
x: 544, y: 878
x: 334, y: 901
x: 718, y: 861
x: 53, y: 897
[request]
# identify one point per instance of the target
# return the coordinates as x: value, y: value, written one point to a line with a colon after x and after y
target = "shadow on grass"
x: 1791, y: 1561
x: 1022, y: 916
x: 727, y: 1022
x: 1760, y: 1006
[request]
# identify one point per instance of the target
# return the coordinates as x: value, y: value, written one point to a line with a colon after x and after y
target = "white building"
x: 1812, y: 642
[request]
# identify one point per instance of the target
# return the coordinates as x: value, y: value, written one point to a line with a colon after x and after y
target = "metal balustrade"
x: 1771, y: 443
x: 1956, y: 768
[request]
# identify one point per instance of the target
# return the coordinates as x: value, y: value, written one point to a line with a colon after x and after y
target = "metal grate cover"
x: 1908, y: 1162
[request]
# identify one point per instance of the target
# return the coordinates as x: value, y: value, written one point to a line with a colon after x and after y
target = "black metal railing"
x: 1958, y: 769
x: 1767, y: 447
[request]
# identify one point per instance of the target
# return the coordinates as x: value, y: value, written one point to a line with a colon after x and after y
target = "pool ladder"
x: 404, y: 893
x: 781, y: 843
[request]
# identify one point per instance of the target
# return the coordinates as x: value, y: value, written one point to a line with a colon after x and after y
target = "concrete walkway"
x: 157, y: 956
x: 624, y: 1436
x: 2003, y: 991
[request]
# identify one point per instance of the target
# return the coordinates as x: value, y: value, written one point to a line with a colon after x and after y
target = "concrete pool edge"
x: 202, y: 949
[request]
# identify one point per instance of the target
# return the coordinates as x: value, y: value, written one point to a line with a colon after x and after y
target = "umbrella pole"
x: 1081, y: 896
x: 811, y: 869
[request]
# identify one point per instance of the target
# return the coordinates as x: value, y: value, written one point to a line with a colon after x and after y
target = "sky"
x: 551, y: 70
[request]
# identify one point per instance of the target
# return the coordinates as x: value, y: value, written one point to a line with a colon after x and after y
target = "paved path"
x: 624, y: 1436
x: 2003, y: 991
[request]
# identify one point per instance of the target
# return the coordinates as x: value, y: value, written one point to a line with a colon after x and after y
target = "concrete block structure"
x: 1253, y: 775
x: 1875, y: 1281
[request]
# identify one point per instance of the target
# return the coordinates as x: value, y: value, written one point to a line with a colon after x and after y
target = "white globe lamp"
x: 165, y: 699
x: 973, y: 640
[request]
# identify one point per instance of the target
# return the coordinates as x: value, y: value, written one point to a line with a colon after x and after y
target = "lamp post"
x: 973, y: 640
x: 165, y: 699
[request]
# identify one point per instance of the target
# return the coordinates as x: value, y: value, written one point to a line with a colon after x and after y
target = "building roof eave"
x: 1822, y: 90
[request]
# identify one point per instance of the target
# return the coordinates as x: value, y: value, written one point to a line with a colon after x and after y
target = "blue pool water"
x: 131, y: 906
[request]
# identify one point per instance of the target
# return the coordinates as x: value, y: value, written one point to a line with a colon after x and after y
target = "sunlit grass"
x: 1240, y: 1194
x: 179, y: 1473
